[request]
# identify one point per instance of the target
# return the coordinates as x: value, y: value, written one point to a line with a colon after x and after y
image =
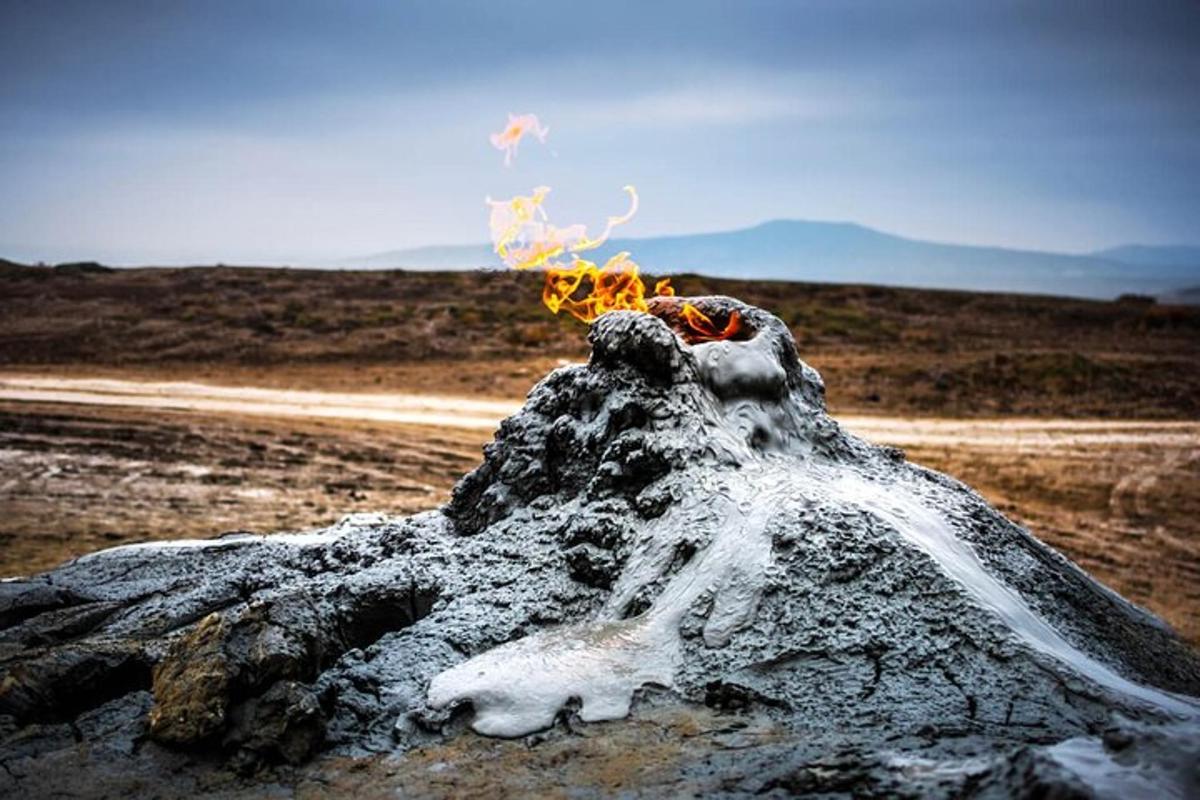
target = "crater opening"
x: 701, y: 319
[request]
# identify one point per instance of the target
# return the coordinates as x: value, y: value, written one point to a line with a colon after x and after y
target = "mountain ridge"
x: 1153, y: 254
x: 849, y: 252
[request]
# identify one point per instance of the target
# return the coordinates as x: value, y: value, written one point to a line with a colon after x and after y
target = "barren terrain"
x: 486, y: 334
x: 125, y: 413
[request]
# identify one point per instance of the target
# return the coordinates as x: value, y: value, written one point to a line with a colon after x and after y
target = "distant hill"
x: 839, y: 252
x: 1153, y: 255
x: 1182, y: 258
x: 1183, y: 297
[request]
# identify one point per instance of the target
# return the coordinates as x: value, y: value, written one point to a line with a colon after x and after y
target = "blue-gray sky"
x: 298, y: 130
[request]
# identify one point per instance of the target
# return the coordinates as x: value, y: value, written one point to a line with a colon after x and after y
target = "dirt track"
x: 413, y: 409
x: 87, y: 463
x: 470, y: 414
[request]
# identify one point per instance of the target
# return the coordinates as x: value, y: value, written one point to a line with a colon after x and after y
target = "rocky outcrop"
x: 676, y: 535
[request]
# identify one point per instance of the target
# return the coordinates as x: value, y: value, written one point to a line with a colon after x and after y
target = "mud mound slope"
x: 676, y: 524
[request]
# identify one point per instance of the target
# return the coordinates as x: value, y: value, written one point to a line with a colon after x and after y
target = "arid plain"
x: 1079, y: 419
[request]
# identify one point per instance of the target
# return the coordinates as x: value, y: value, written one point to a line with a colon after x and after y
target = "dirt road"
x: 469, y: 414
x: 412, y: 409
x: 88, y: 463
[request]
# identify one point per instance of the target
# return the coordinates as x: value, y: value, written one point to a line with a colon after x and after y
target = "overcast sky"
x: 238, y: 131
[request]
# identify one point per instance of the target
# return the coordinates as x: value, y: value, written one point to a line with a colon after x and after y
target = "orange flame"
x: 615, y: 286
x: 524, y: 238
x: 703, y: 329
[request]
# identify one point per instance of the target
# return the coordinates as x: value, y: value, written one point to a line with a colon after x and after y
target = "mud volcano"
x: 676, y: 530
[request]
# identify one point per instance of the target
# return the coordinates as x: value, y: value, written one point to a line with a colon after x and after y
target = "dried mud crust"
x: 216, y: 666
x: 75, y: 479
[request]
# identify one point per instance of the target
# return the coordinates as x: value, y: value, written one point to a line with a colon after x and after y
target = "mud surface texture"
x: 673, y: 573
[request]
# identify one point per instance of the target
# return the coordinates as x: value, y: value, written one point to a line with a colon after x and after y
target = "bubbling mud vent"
x: 676, y: 524
x: 757, y: 464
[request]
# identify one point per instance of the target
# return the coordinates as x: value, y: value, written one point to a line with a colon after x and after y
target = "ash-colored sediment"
x: 670, y: 525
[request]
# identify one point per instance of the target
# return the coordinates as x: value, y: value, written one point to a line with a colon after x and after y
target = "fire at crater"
x: 525, y: 239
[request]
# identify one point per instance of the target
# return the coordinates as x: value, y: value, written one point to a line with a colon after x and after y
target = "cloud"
x: 760, y: 99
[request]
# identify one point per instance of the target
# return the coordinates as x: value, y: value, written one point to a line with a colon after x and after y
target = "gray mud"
x: 671, y: 562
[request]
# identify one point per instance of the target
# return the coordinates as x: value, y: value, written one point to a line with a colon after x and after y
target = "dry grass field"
x: 881, y: 350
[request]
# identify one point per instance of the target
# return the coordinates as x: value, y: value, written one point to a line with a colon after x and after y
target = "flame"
x: 614, y: 287
x: 703, y: 329
x: 524, y: 238
x: 518, y: 125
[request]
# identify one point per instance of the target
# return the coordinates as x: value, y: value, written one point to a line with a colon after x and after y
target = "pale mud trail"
x: 470, y: 414
x: 412, y: 409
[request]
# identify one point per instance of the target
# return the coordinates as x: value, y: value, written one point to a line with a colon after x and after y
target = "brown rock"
x: 191, y: 685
